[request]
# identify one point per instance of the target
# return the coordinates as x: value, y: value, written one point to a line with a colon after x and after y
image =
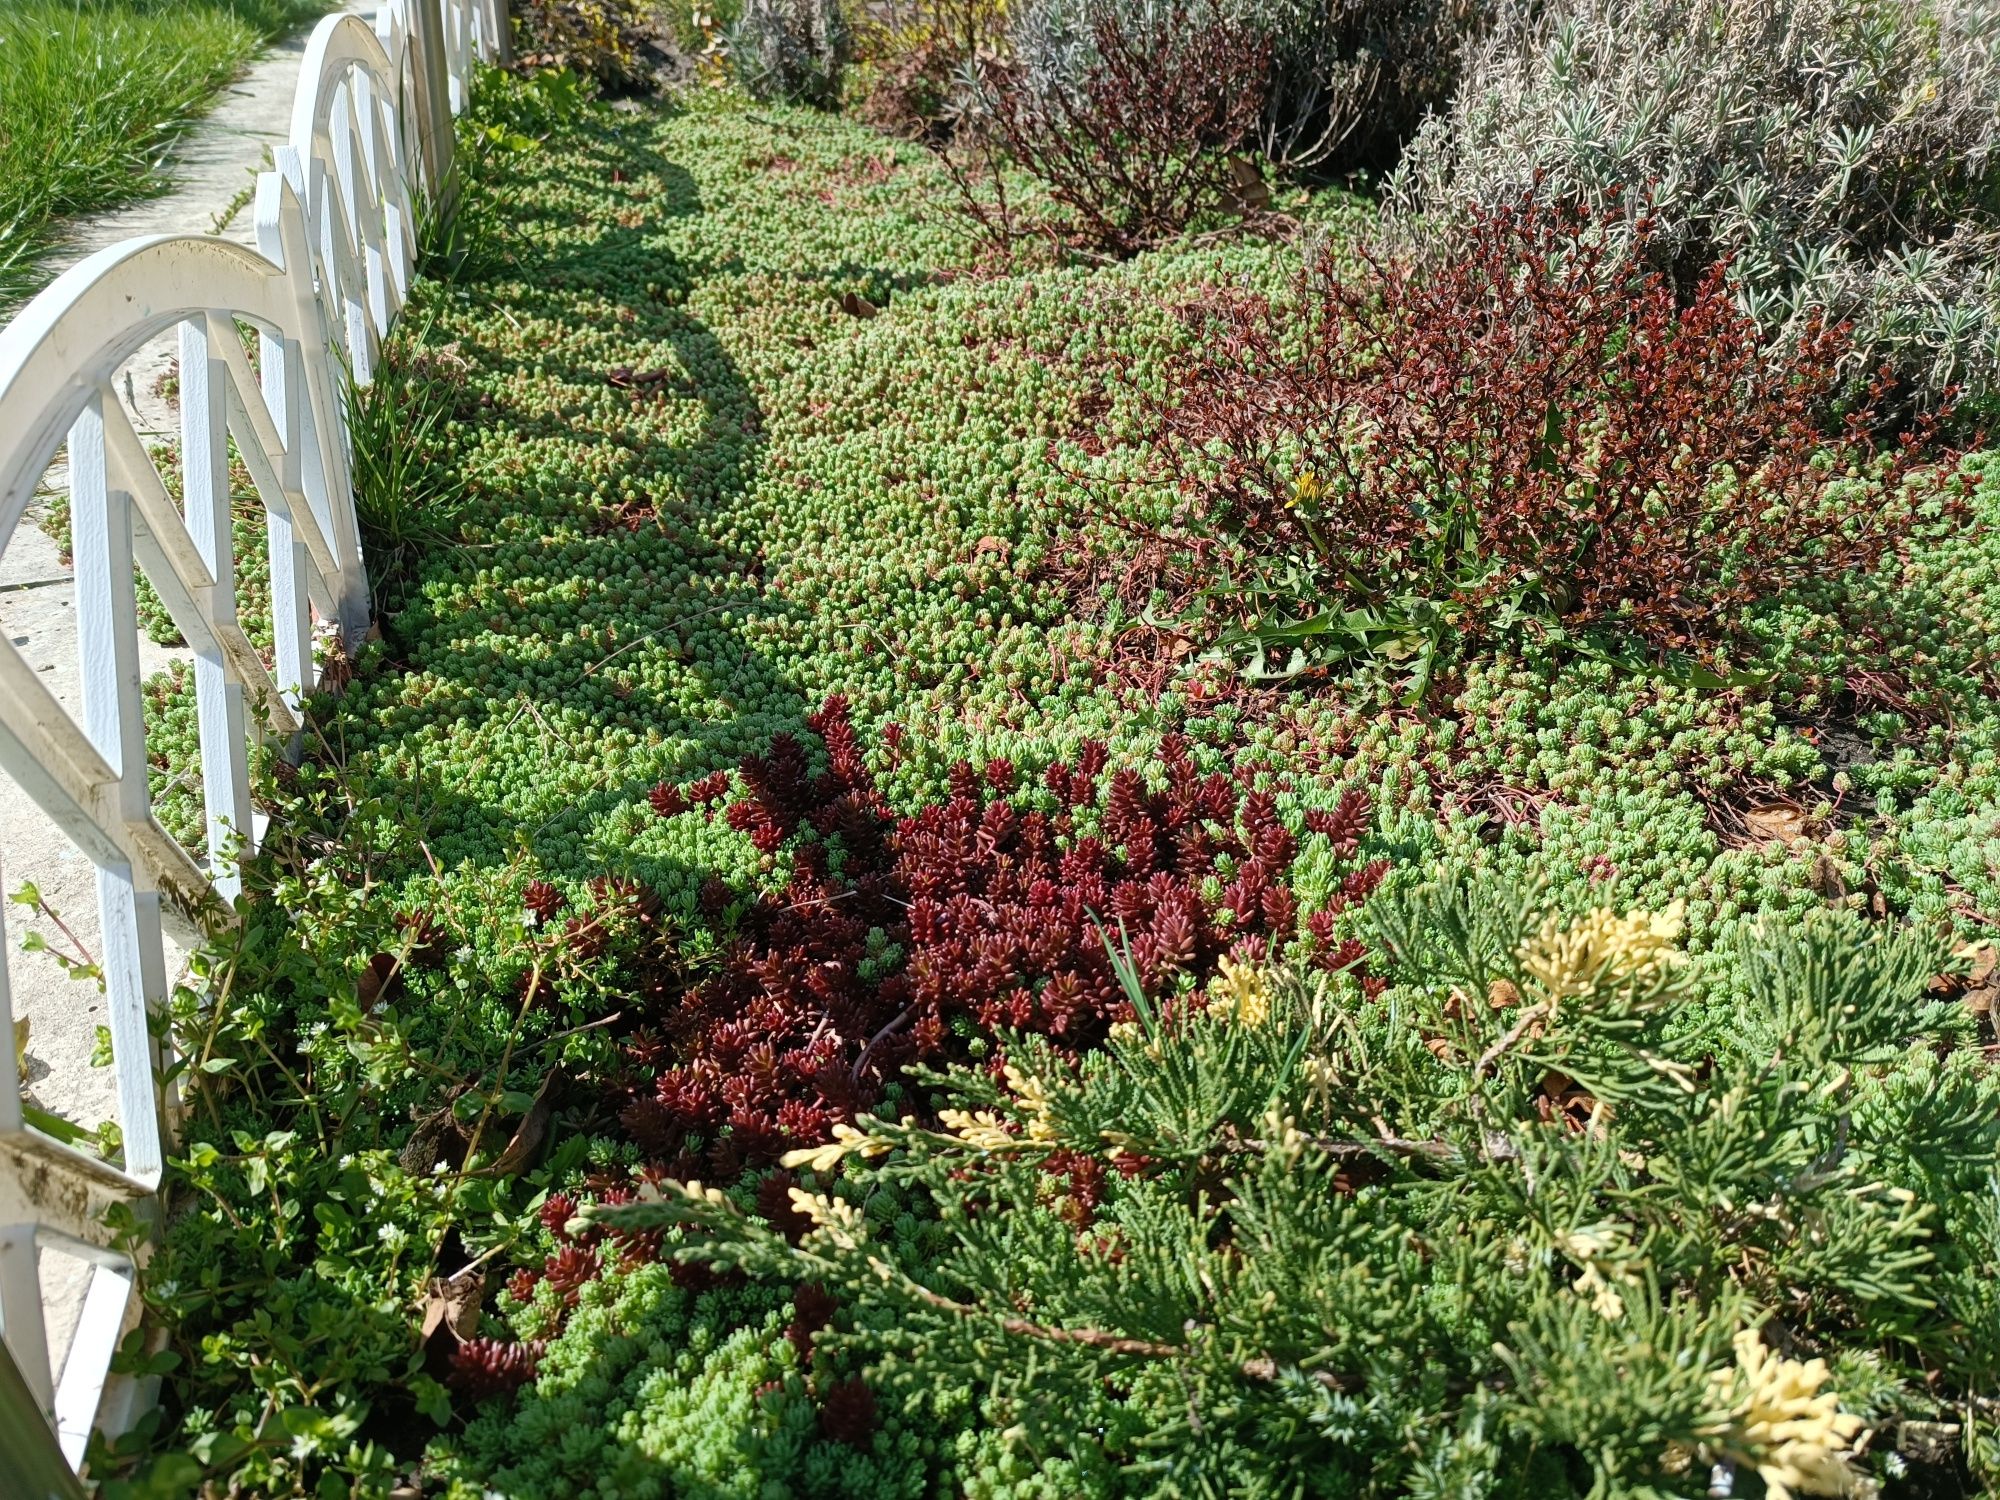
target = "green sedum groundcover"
x: 708, y: 414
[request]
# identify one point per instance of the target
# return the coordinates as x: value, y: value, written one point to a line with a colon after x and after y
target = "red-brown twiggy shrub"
x: 1526, y: 426
x: 1142, y: 149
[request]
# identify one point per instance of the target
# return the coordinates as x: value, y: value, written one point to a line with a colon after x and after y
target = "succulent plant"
x: 895, y: 939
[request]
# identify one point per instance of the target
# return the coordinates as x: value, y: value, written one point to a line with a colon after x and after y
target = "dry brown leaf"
x: 437, y: 1138
x: 376, y: 977
x: 1982, y: 984
x: 1783, y: 823
x: 529, y: 1136
x: 454, y: 1303
x: 1249, y: 193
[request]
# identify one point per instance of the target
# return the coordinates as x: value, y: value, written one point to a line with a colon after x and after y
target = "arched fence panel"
x: 266, y: 339
x: 346, y: 157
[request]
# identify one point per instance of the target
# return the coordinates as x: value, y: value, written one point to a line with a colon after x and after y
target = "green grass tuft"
x: 94, y: 93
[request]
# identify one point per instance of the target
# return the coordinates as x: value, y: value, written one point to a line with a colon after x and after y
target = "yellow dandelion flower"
x: 1308, y: 491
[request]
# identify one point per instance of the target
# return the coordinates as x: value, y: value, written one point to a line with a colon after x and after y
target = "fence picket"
x: 21, y: 1317
x: 225, y: 762
x: 291, y: 619
x: 107, y: 618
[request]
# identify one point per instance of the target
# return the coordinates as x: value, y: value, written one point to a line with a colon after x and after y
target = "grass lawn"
x: 93, y: 94
x: 723, y: 422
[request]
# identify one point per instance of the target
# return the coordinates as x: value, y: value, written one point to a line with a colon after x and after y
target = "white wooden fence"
x: 336, y: 224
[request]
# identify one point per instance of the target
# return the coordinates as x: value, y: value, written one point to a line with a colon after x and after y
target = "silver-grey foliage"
x: 1841, y: 154
x: 791, y: 50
